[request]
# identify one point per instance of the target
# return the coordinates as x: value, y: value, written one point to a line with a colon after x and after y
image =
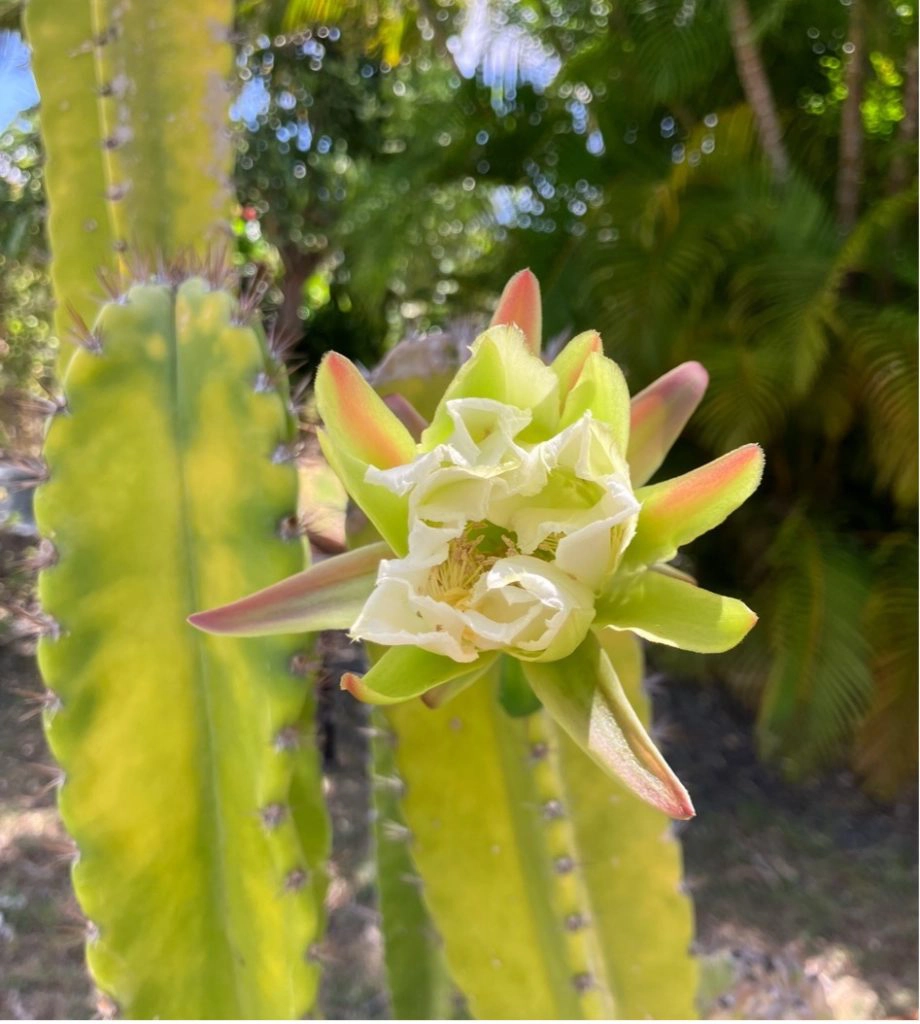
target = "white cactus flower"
x: 508, y: 540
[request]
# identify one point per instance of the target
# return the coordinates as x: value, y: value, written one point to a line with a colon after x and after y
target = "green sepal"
x: 514, y: 692
x: 567, y: 366
x: 657, y: 416
x: 443, y: 694
x: 502, y: 368
x: 329, y: 595
x: 406, y: 672
x: 601, y: 390
x: 678, y: 511
x: 670, y: 611
x: 357, y: 420
x: 388, y: 512
x: 585, y: 697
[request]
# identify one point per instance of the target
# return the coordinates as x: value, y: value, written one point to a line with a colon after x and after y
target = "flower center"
x: 473, y: 553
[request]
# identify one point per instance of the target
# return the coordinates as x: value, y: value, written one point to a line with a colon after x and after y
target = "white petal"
x: 396, y: 615
x: 484, y: 430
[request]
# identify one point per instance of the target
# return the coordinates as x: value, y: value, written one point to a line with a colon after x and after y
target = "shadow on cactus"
x: 521, y: 524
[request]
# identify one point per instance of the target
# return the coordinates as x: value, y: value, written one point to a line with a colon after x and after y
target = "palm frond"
x: 819, y: 683
x: 884, y: 355
x: 886, y: 744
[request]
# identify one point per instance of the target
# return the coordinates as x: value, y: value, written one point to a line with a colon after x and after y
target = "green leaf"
x: 819, y: 684
x: 671, y: 611
x: 677, y: 511
x: 406, y: 672
x: 329, y: 595
x: 886, y: 742
x: 585, y: 697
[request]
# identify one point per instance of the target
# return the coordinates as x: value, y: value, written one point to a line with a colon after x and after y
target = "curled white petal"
x: 520, y: 604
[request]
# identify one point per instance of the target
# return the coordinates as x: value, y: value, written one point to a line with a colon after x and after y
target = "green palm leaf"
x: 819, y: 683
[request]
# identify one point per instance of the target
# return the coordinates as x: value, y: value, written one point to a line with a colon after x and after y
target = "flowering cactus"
x: 521, y: 524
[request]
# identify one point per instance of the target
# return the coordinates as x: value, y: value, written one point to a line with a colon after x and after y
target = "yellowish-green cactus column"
x: 187, y: 781
x: 162, y: 70
x: 189, y: 777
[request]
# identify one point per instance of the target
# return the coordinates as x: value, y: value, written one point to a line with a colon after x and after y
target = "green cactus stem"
x: 556, y: 892
x: 134, y: 122
x: 79, y: 229
x: 163, y: 69
x: 420, y: 985
x: 189, y: 781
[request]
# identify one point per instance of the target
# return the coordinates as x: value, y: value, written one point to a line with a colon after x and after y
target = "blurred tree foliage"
x: 733, y: 182
x: 25, y: 290
x: 24, y: 287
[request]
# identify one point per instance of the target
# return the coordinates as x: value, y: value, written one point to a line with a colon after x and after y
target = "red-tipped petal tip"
x: 520, y: 305
x: 682, y: 809
x: 212, y: 621
x: 697, y: 372
x: 353, y: 684
x: 751, y: 454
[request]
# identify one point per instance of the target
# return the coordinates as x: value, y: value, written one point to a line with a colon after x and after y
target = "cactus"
x: 420, y: 985
x: 189, y: 784
x: 79, y: 232
x: 179, y: 752
x: 134, y: 123
x: 556, y: 895
x: 163, y: 70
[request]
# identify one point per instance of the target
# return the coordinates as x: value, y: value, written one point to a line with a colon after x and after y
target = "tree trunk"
x: 756, y: 87
x: 298, y: 266
x: 849, y: 173
x: 899, y: 175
